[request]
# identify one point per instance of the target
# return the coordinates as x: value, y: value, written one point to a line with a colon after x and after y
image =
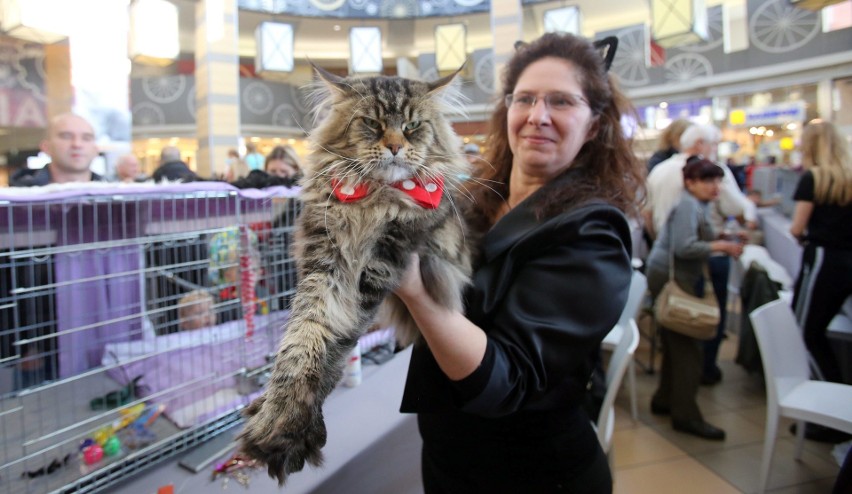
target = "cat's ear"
x: 331, y: 80
x: 606, y: 47
x: 444, y: 81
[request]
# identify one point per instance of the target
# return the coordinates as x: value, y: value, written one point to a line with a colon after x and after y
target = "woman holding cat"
x: 498, y: 390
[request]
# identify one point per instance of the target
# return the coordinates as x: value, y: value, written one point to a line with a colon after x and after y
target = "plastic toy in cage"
x: 235, y: 261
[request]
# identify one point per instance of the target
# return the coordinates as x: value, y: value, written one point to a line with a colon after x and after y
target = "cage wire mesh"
x: 133, y: 325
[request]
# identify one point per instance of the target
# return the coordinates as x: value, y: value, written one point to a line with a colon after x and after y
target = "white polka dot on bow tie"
x: 408, y: 185
x: 431, y: 187
x: 347, y: 190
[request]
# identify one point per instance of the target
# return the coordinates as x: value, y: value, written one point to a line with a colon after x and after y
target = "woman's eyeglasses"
x: 556, y: 102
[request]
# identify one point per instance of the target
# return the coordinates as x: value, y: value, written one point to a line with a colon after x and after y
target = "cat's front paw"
x: 282, y: 436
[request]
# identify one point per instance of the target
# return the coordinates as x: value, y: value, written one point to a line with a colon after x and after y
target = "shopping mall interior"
x: 759, y: 86
x: 210, y: 76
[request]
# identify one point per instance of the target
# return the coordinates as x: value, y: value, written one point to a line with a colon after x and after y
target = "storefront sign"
x: 768, y: 115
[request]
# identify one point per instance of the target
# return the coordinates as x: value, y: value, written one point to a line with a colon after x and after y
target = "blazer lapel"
x: 508, y: 230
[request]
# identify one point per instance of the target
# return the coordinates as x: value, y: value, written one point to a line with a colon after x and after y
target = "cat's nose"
x: 394, y: 148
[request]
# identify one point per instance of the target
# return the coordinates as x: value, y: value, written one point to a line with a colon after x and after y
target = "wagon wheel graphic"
x: 328, y: 5
x: 483, y: 74
x: 299, y: 98
x: 285, y: 116
x: 629, y: 61
x: 468, y: 3
x: 257, y: 98
x: 715, y: 33
x: 687, y: 66
x: 164, y: 90
x: 778, y: 27
x: 147, y: 114
x: 399, y: 8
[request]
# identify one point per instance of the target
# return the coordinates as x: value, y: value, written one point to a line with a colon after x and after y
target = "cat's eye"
x: 413, y: 125
x: 371, y: 123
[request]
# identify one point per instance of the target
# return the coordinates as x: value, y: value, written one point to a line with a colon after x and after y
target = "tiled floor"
x: 650, y: 457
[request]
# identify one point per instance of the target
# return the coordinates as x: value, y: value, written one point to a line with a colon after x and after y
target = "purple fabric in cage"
x: 194, y: 373
x: 98, y: 294
x: 98, y: 301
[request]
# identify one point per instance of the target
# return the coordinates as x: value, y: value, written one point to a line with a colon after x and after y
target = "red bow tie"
x: 426, y: 194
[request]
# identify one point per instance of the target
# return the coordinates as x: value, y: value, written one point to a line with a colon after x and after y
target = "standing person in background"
x: 665, y: 187
x: 821, y: 221
x: 669, y: 143
x: 283, y: 162
x: 253, y: 159
x: 688, y: 239
x: 499, y: 388
x: 473, y: 156
x: 71, y: 144
x: 236, y: 168
x: 172, y: 168
x: 128, y: 169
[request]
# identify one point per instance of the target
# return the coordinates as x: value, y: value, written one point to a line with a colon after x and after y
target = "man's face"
x: 128, y: 169
x: 70, y: 144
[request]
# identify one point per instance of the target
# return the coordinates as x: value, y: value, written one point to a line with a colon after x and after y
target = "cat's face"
x: 385, y: 129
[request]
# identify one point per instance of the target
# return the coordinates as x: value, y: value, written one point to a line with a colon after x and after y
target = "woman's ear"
x: 594, y: 128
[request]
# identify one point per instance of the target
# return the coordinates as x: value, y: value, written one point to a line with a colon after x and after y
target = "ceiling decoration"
x: 372, y: 9
x: 778, y: 27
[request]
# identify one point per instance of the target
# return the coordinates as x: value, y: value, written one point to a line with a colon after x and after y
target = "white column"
x: 507, y: 19
x: 217, y: 84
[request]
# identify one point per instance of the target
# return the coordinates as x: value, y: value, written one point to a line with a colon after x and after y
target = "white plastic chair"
x: 789, y: 390
x: 618, y: 363
x: 638, y: 286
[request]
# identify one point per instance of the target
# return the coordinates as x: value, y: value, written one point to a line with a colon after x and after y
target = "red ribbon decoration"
x: 425, y: 194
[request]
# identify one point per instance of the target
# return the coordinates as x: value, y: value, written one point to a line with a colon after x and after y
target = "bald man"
x: 70, y: 143
x: 172, y: 168
x: 128, y: 169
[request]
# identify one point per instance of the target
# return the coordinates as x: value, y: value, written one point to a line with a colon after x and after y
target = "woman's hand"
x: 733, y: 249
x: 411, y: 285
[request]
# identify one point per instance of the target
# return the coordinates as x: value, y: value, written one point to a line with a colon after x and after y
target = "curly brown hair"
x: 604, y: 169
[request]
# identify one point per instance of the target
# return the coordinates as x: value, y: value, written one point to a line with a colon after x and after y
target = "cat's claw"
x: 283, y: 438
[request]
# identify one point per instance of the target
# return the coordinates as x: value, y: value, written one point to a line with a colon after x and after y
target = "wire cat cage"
x: 135, y: 322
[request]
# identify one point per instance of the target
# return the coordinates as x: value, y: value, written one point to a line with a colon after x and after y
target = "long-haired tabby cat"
x: 379, y: 185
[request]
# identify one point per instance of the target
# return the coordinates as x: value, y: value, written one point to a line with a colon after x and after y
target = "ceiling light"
x: 562, y: 20
x: 33, y: 20
x: 450, y: 46
x: 274, y: 41
x: 153, y: 37
x: 678, y: 22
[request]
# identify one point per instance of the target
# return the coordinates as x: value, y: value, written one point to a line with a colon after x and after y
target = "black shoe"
x: 821, y: 434
x: 659, y: 410
x: 699, y: 428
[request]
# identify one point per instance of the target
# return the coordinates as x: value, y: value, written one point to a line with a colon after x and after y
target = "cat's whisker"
x: 492, y: 189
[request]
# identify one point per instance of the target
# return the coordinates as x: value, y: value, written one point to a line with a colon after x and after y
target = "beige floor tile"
x: 741, y: 466
x: 641, y: 445
x: 822, y: 486
x: 677, y: 476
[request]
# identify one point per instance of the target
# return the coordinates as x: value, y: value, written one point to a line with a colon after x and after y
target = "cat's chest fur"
x: 356, y: 232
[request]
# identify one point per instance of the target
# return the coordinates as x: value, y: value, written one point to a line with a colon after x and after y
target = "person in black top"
x: 821, y: 222
x: 172, y: 168
x: 71, y: 144
x: 669, y: 143
x: 499, y: 389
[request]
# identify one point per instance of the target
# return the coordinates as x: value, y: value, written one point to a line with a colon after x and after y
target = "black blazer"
x: 546, y: 293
